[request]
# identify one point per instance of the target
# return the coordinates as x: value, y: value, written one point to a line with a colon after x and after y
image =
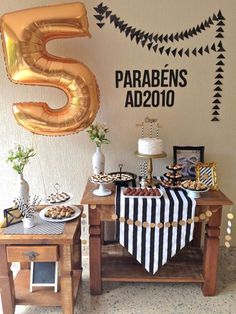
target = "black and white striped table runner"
x: 154, y: 246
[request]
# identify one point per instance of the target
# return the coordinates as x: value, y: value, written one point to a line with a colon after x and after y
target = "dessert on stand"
x: 102, y: 180
x: 172, y: 178
x: 194, y: 188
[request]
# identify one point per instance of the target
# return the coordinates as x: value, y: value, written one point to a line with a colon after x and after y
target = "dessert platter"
x: 172, y: 178
x: 58, y: 197
x: 59, y: 213
x: 121, y: 178
x: 194, y: 188
x: 102, y: 180
x: 152, y: 192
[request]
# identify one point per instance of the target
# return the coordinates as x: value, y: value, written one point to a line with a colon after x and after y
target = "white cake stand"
x: 194, y: 193
x: 102, y: 191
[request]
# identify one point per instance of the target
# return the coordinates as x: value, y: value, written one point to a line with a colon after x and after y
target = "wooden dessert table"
x: 114, y: 263
x: 65, y: 248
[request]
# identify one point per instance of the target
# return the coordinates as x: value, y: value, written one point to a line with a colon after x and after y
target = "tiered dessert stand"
x: 150, y: 180
x: 173, y: 177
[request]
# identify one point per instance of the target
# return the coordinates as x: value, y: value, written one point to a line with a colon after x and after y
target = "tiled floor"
x: 156, y: 298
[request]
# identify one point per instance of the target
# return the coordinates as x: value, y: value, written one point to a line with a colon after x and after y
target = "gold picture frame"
x: 206, y: 173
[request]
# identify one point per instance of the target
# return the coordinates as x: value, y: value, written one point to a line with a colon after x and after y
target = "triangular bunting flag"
x: 221, y: 49
x: 220, y: 23
x: 216, y: 101
x: 206, y: 49
x: 220, y: 30
x: 215, y: 18
x: 137, y: 33
x: 206, y: 24
x: 108, y: 13
x: 186, y: 34
x: 155, y: 48
x: 219, y: 76
x: 202, y: 26
x: 160, y: 38
x: 168, y: 51
x: 149, y: 46
x: 198, y: 29
x: 190, y: 33
x: 180, y: 52
x: 220, y: 16
x: 215, y: 119
x: 144, y: 42
x: 99, y: 17
x: 200, y: 50
x: 150, y: 37
x: 99, y: 8
x: 155, y: 38
x: 174, y: 52
x: 141, y: 35
x: 194, y: 51
x: 220, y: 63
x: 171, y: 38
x: 218, y: 83
x: 221, y: 56
x: 218, y: 89
x: 100, y: 24
x: 181, y: 35
x: 219, y: 70
x: 165, y: 38
x: 161, y: 49
x: 216, y: 107
x: 113, y: 18
x: 210, y: 21
x: 187, y: 52
x: 219, y: 35
x: 146, y: 36
x: 127, y: 31
x: 213, y: 47
x: 217, y: 95
x: 138, y: 39
x: 123, y: 27
x: 120, y: 24
x: 215, y: 113
x: 176, y: 36
x: 116, y: 22
x: 194, y: 31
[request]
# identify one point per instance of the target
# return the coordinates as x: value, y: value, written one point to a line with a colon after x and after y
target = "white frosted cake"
x: 150, y: 146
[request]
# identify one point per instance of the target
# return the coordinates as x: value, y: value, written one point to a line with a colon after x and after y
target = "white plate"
x: 76, y: 214
x: 145, y: 196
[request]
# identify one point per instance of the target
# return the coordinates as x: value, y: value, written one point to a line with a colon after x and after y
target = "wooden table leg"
x: 66, y: 279
x: 197, y: 233
x: 211, y: 252
x: 6, y: 284
x: 95, y: 250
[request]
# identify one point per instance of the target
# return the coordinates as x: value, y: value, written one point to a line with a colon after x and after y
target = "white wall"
x: 67, y: 160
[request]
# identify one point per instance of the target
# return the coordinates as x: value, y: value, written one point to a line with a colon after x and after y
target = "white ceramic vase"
x: 98, y: 161
x: 23, y: 188
x: 28, y: 222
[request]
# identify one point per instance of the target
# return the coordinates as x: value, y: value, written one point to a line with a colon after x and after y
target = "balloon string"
x: 35, y: 146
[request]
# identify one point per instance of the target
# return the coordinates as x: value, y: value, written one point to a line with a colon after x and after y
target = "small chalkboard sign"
x: 44, y: 274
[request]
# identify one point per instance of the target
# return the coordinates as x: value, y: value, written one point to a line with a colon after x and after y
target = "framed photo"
x: 188, y: 156
x: 206, y: 173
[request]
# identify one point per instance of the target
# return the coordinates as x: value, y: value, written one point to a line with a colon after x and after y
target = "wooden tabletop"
x: 208, y: 198
x: 66, y: 237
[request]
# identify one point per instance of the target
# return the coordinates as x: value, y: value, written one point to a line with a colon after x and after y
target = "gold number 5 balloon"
x: 25, y: 34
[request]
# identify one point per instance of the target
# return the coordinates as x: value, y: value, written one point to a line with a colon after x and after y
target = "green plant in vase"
x: 97, y: 133
x: 19, y: 157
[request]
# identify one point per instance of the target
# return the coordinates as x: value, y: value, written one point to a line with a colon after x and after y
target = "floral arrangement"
x: 27, y: 208
x: 19, y: 157
x: 97, y: 133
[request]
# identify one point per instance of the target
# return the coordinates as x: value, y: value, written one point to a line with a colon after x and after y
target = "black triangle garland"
x: 151, y: 40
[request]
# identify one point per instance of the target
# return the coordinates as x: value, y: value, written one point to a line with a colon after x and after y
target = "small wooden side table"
x: 65, y: 248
